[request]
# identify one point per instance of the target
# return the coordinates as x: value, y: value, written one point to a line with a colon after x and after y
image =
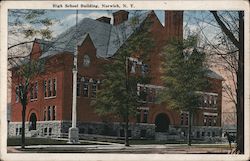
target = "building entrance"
x: 162, y: 123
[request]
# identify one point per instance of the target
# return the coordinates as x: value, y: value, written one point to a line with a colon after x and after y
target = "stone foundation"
x: 136, y: 130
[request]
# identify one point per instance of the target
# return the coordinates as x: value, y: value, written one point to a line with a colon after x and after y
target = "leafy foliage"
x: 118, y: 93
x: 183, y: 74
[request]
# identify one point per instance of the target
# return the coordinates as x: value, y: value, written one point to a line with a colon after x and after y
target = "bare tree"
x: 227, y: 51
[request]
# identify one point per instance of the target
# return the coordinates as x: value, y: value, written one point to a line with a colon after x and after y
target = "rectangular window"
x: 45, y: 88
x: 54, y: 87
x: 36, y: 90
x: 86, y: 88
x: 209, y: 121
x: 45, y: 131
x: 203, y: 133
x: 208, y: 134
x: 151, y: 95
x: 17, y: 94
x: 182, y: 118
x: 20, y: 131
x: 53, y: 113
x: 32, y: 91
x: 49, y: 88
x: 44, y: 114
x: 205, y: 120
x: 50, y: 131
x: 138, y: 116
x: 49, y: 113
x: 143, y: 94
x: 215, y: 121
x: 205, y: 102
x: 186, y: 123
x: 145, y: 116
x: 16, y: 131
x: 198, y: 134
x: 94, y: 89
x: 213, y: 134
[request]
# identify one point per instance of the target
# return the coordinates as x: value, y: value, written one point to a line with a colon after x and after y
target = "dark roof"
x: 106, y: 38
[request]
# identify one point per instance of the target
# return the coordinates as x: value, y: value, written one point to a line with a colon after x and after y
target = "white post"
x: 73, y: 131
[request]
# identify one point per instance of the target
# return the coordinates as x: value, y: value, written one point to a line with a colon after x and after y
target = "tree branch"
x: 225, y: 29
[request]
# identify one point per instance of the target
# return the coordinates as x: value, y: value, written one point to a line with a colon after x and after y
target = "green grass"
x: 39, y: 141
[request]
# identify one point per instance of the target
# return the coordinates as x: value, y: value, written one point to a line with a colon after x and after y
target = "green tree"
x: 118, y: 92
x: 23, y: 76
x: 183, y: 77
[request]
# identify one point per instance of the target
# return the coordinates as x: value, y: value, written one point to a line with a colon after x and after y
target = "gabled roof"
x: 106, y: 38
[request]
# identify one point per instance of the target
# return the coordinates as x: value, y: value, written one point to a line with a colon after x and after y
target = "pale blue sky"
x: 193, y: 20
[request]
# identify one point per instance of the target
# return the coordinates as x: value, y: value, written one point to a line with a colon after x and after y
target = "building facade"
x: 50, y: 99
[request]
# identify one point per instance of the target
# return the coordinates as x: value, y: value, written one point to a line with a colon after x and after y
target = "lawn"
x: 40, y: 141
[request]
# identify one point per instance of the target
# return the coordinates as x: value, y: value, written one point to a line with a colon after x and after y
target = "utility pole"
x: 73, y: 131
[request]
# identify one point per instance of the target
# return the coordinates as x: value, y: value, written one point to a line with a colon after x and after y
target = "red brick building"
x: 50, y: 100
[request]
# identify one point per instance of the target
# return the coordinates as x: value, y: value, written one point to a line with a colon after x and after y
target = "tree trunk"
x: 126, y: 129
x: 23, y: 126
x: 240, y: 87
x: 190, y: 118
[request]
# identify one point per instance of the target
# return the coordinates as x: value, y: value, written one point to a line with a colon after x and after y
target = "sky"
x: 193, y: 21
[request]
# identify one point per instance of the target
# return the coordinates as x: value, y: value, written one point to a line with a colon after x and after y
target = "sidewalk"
x: 120, y: 148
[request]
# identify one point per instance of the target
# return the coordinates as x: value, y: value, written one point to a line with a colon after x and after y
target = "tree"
x: 237, y: 39
x: 118, y: 92
x: 184, y: 78
x: 23, y: 26
x: 23, y: 76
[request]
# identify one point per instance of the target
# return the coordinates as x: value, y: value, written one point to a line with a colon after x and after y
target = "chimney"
x: 120, y: 17
x: 104, y: 19
x: 174, y: 24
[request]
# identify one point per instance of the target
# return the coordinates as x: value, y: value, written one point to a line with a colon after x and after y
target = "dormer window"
x: 86, y: 61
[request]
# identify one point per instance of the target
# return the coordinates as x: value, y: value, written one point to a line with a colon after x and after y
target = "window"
x: 182, y: 118
x: 45, y: 88
x: 16, y: 131
x: 53, y: 113
x: 203, y: 133
x: 145, y: 116
x: 198, y: 134
x: 210, y: 121
x: 17, y: 93
x: 20, y: 131
x: 34, y: 91
x: 49, y: 88
x: 205, y: 120
x: 138, y: 116
x: 213, y: 134
x: 94, y: 89
x: 186, y: 123
x: 208, y: 134
x: 215, y: 121
x: 44, y: 114
x: 49, y: 113
x: 50, y: 131
x: 86, y: 88
x: 151, y: 95
x: 45, y: 131
x: 54, y: 87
